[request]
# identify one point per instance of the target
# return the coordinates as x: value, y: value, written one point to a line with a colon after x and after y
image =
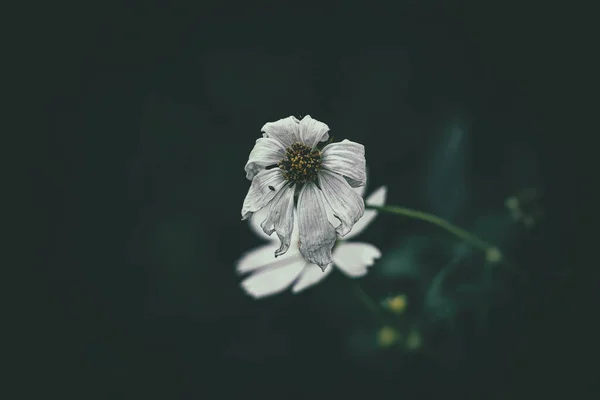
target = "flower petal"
x: 263, y: 188
x: 346, y: 158
x: 273, y: 280
x: 262, y: 257
x: 354, y: 258
x: 281, y: 217
x: 255, y: 221
x: 317, y: 235
x: 360, y: 190
x: 347, y: 206
x: 377, y: 198
x: 312, y: 131
x: 311, y: 275
x: 284, y: 130
x: 266, y: 152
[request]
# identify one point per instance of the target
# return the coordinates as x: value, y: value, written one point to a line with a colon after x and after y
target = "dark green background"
x: 155, y: 110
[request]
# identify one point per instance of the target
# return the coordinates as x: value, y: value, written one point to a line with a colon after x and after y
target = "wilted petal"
x: 312, y: 131
x: 263, y: 188
x: 284, y: 130
x: 347, y: 206
x: 377, y: 198
x: 311, y: 275
x: 266, y: 152
x: 281, y: 217
x: 354, y: 258
x: 348, y: 159
x: 255, y: 221
x: 317, y: 235
x: 360, y: 190
x: 273, y: 280
x: 262, y: 257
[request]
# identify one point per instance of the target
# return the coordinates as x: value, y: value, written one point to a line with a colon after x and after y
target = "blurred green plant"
x: 442, y: 300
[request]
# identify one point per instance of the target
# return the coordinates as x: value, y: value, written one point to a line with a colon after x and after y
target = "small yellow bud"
x: 493, y: 255
x: 387, y: 336
x: 396, y: 304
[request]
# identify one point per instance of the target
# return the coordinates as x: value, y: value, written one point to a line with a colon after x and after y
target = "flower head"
x: 295, y: 179
x: 268, y: 275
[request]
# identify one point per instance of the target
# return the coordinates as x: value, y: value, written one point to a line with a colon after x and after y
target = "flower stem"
x: 433, y: 219
x: 492, y: 252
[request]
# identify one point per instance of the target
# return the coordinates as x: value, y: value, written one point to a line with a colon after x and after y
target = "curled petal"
x: 377, y: 198
x: 348, y: 159
x: 263, y: 188
x: 347, y: 206
x: 361, y: 190
x: 255, y: 225
x: 281, y: 217
x: 317, y: 235
x: 254, y: 222
x: 311, y: 275
x: 273, y: 280
x: 354, y: 258
x: 266, y: 152
x: 312, y: 131
x: 284, y: 130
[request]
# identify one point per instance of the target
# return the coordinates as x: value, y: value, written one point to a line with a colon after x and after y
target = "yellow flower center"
x: 302, y: 164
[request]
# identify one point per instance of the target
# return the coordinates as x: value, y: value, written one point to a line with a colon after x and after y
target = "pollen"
x: 301, y: 163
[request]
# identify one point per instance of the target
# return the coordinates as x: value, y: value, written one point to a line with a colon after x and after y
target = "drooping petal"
x: 273, y: 280
x: 284, y: 130
x: 346, y: 158
x: 347, y: 206
x: 377, y: 198
x: 262, y: 257
x: 360, y: 190
x: 263, y: 188
x: 266, y: 152
x: 255, y: 221
x: 354, y: 258
x: 281, y: 217
x: 312, y: 131
x: 311, y: 275
x: 317, y: 235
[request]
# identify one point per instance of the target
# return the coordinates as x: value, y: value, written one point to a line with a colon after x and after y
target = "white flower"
x: 268, y: 276
x: 297, y: 180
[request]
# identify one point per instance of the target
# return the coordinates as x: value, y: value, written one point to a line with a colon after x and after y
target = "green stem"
x: 433, y: 219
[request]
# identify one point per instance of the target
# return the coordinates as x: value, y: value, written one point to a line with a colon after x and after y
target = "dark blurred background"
x: 154, y: 109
